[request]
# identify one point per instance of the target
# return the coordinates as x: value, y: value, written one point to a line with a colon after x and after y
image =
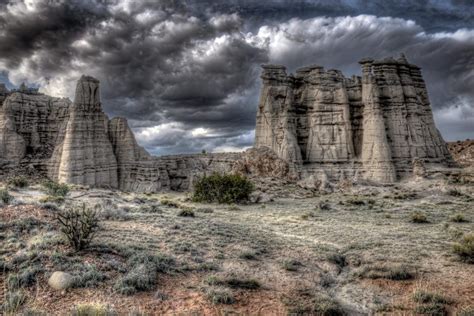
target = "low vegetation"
x: 222, y: 188
x: 56, y: 189
x: 17, y: 182
x: 465, y: 248
x: 459, y: 218
x: 312, y: 302
x: 5, y: 196
x: 79, y: 226
x: 418, y: 217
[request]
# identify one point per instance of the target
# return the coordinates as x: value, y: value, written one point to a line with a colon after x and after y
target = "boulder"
x: 60, y: 280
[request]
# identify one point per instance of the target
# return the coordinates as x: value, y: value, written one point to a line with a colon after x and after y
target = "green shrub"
x: 222, y: 188
x: 310, y: 302
x: 432, y: 309
x: 169, y: 203
x: 465, y: 248
x: 89, y: 278
x: 5, y: 197
x: 234, y: 282
x: 79, y: 226
x: 418, y: 217
x: 56, y: 189
x: 17, y: 182
x: 396, y: 272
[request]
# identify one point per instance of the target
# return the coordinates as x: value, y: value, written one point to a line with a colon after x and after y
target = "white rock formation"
x: 372, y: 126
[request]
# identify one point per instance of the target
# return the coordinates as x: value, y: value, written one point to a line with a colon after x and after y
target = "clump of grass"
x: 312, y: 302
x: 186, y: 213
x: 222, y: 188
x: 17, y: 182
x: 432, y: 309
x: 220, y: 296
x: 5, y: 196
x: 424, y: 297
x: 13, y: 302
x: 92, y: 310
x: 248, y: 255
x: 142, y: 276
x: 418, y: 217
x: 459, y: 218
x: 465, y: 248
x: 79, y: 226
x: 169, y: 203
x: 397, y: 272
x: 206, y: 210
x: 24, y: 278
x: 56, y: 189
x: 291, y: 265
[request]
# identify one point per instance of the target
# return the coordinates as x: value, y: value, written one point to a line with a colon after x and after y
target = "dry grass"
x: 262, y: 259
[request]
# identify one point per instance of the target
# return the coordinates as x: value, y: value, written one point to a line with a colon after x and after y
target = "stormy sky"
x: 186, y: 73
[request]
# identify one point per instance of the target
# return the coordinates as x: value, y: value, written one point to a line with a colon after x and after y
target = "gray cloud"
x: 185, y: 73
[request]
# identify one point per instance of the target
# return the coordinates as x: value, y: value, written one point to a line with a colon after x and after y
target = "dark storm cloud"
x: 185, y: 73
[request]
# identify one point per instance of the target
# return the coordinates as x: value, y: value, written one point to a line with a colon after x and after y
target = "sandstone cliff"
x: 372, y: 127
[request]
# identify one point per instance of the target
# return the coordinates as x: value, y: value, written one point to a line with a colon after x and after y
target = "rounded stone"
x: 60, y: 280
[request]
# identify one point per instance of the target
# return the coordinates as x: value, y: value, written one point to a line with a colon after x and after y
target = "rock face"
x: 371, y: 127
x: 312, y: 128
x: 76, y: 143
x: 84, y: 153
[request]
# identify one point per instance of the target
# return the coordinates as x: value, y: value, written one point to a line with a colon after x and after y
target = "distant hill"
x: 462, y: 151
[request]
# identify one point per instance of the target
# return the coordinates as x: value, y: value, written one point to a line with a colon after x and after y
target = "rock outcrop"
x: 371, y: 127
x: 76, y: 143
x: 313, y: 128
x: 84, y: 154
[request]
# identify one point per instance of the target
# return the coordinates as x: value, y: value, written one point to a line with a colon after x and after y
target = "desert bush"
x: 248, y: 255
x: 310, y: 302
x: 52, y: 199
x: 23, y: 279
x: 13, y: 302
x: 432, y: 309
x: 79, y: 226
x: 89, y: 278
x: 222, y: 188
x: 455, y: 192
x: 169, y: 203
x: 220, y: 296
x: 459, y: 218
x: 186, y: 212
x: 18, y: 182
x: 337, y: 259
x: 424, y: 297
x: 465, y: 248
x: 56, y: 189
x: 418, y: 217
x: 397, y: 272
x: 5, y: 196
x: 142, y: 275
x: 92, y: 310
x: 291, y: 265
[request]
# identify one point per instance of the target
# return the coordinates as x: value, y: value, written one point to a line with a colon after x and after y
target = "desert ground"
x: 384, y: 250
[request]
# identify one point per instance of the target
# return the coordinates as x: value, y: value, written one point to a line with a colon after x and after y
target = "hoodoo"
x: 372, y: 127
x: 317, y: 122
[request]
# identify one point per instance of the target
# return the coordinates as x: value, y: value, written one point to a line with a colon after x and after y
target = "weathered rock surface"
x: 371, y: 127
x: 314, y: 128
x: 84, y: 153
x: 463, y: 152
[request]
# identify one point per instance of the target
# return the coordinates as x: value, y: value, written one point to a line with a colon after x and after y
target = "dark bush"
x: 222, y: 188
x: 79, y: 225
x: 17, y: 182
x: 5, y: 197
x: 56, y: 189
